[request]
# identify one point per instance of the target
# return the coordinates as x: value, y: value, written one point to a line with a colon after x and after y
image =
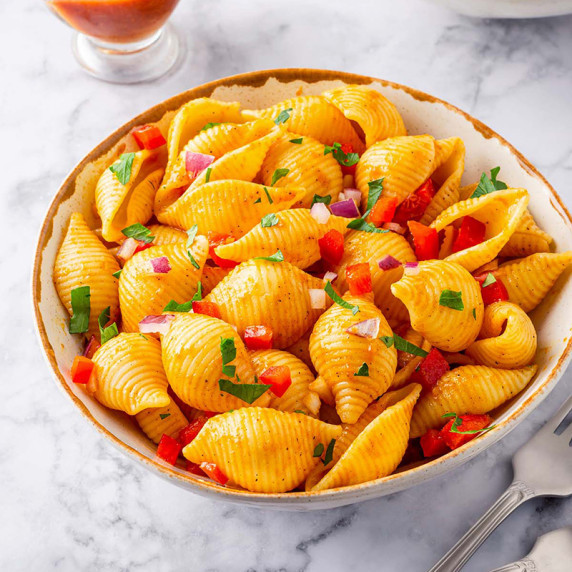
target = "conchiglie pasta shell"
x: 274, y: 294
x: 374, y: 446
x: 296, y: 235
x: 159, y: 421
x: 499, y: 211
x: 377, y: 117
x: 338, y: 355
x: 83, y: 260
x: 308, y: 167
x: 129, y: 374
x: 301, y: 349
x: 312, y: 116
x: 193, y: 362
x: 143, y: 293
x: 446, y: 328
x: 474, y: 389
x: 166, y: 234
x: 296, y: 396
x: 529, y: 279
x: 212, y: 275
x: 527, y: 239
x: 262, y: 450
x: 508, y: 338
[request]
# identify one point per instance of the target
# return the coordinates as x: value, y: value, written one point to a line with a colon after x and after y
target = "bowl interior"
x: 422, y: 114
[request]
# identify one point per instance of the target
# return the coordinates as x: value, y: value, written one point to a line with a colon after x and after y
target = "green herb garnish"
x: 268, y: 195
x: 452, y: 299
x: 475, y: 313
x: 318, y: 450
x: 164, y: 415
x: 198, y: 295
x: 278, y: 257
x: 172, y: 306
x: 300, y: 411
x: 117, y: 274
x: 487, y: 186
x: 327, y: 199
x: 363, y: 370
x: 258, y: 200
x: 339, y: 300
x: 374, y: 192
x: 81, y: 308
x: 228, y: 353
x: 490, y: 279
x: 209, y: 125
x: 345, y: 159
x: 248, y: 392
x: 269, y: 220
x: 138, y: 232
x: 364, y: 226
x: 329, y: 452
x: 278, y: 174
x: 297, y: 141
x: 458, y: 421
x: 106, y: 333
x: 283, y: 116
x: 122, y: 168
x: 208, y: 175
x: 403, y: 345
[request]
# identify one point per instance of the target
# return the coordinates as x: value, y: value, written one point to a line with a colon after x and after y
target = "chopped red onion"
x: 330, y: 276
x: 320, y: 213
x: 388, y: 262
x: 156, y: 324
x: 317, y: 298
x: 93, y: 343
x: 127, y: 249
x: 411, y: 268
x: 342, y: 196
x: 354, y: 194
x: 395, y: 227
x: 197, y: 162
x: 160, y: 265
x: 347, y: 209
x: 365, y: 329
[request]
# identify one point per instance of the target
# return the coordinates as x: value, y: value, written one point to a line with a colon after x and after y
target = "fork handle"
x: 513, y: 497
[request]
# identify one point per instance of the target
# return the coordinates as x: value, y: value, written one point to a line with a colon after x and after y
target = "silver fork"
x: 542, y: 467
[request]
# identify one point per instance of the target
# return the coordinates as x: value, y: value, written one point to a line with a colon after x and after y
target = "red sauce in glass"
x: 115, y: 21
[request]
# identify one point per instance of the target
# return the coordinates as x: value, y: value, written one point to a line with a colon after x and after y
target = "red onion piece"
x: 197, y: 162
x: 395, y: 227
x: 127, y: 249
x: 354, y: 194
x: 317, y: 298
x: 330, y: 276
x: 388, y: 263
x: 160, y: 265
x: 347, y: 209
x: 156, y: 324
x: 365, y: 329
x: 411, y: 269
x: 320, y: 213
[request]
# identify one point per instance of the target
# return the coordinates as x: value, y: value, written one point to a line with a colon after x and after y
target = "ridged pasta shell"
x: 83, y: 260
x: 159, y: 421
x: 143, y: 293
x: 527, y: 239
x: 166, y: 234
x: 529, y: 279
x: 508, y: 338
x: 274, y: 294
x: 446, y: 328
x: 373, y: 447
x: 120, y: 206
x: 377, y: 117
x: 212, y: 275
x: 371, y: 247
x: 312, y: 116
x: 499, y: 211
x: 129, y: 374
x: 262, y: 450
x: 301, y: 349
x: 308, y: 168
x: 297, y: 395
x: 296, y: 234
x: 338, y: 355
x: 474, y: 389
x: 193, y: 363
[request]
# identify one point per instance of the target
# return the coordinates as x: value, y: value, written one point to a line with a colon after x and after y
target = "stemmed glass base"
x: 129, y: 63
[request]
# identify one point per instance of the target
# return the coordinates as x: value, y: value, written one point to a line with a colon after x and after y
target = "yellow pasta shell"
x: 374, y: 446
x: 212, y: 275
x: 338, y: 355
x: 312, y: 116
x: 446, y: 328
x: 301, y: 349
x: 129, y: 374
x: 159, y: 421
x: 499, y: 211
x: 377, y: 117
x: 508, y: 338
x: 166, y: 234
x: 262, y: 450
x: 274, y: 294
x: 143, y: 293
x: 527, y: 239
x: 296, y: 234
x: 83, y: 260
x: 307, y: 166
x: 193, y: 362
x: 296, y: 397
x: 474, y: 389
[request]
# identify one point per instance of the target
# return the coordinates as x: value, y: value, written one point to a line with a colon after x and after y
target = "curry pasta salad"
x: 302, y: 297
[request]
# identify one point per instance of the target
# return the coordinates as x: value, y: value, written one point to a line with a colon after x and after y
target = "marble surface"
x: 71, y: 502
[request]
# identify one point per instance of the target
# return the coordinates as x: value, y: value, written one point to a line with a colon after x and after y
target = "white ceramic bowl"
x: 422, y: 114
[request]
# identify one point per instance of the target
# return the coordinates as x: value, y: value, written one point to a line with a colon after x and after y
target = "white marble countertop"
x: 71, y: 502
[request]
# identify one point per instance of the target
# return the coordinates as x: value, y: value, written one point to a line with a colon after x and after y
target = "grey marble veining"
x: 68, y: 500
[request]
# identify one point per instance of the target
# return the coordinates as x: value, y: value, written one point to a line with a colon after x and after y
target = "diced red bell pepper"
x: 141, y: 245
x: 91, y: 347
x: 189, y: 432
x: 209, y: 414
x: 194, y: 468
x: 82, y: 369
x: 216, y: 239
x: 425, y: 240
x: 348, y: 170
x: 148, y: 137
x: 169, y: 449
x: 358, y: 277
x: 258, y: 337
x: 495, y: 292
x: 471, y: 233
x: 278, y: 376
x: 413, y: 207
x: 468, y: 423
x: 214, y: 472
x: 206, y: 308
x: 433, y: 444
x: 383, y: 211
x: 332, y: 246
x: 431, y: 369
